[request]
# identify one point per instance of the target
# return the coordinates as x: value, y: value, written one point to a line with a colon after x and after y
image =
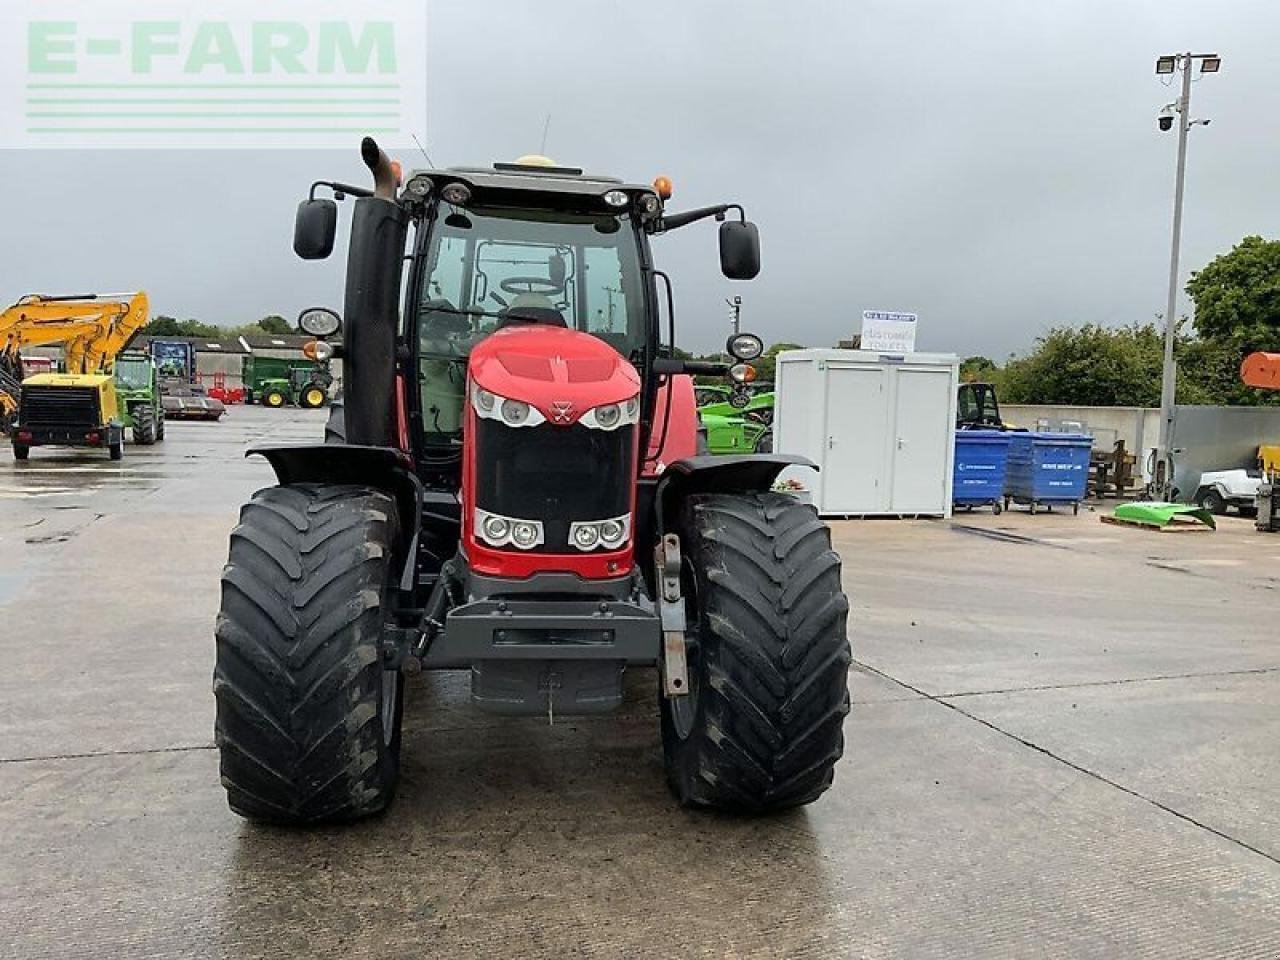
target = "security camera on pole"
x: 1181, y: 110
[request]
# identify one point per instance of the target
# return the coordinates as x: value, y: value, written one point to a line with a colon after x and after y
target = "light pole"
x: 735, y: 308
x: 1181, y: 111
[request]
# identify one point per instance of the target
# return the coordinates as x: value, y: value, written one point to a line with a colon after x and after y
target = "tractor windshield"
x: 133, y: 374
x: 577, y: 271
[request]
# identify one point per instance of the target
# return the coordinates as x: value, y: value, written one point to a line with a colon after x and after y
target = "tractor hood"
x: 562, y: 373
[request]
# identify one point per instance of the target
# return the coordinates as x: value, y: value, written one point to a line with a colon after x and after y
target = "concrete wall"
x: 1218, y: 438
x: 1138, y: 427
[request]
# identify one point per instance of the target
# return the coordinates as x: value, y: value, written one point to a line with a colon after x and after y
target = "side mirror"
x: 315, y: 229
x: 739, y: 250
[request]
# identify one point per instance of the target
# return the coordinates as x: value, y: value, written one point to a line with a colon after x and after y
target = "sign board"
x: 236, y: 74
x: 884, y: 331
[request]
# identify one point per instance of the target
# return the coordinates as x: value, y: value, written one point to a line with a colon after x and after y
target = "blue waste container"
x: 1047, y: 469
x: 978, y: 475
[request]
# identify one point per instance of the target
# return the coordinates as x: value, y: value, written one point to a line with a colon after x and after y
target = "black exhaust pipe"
x: 379, y: 227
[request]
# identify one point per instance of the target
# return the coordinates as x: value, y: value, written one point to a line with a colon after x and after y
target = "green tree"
x: 162, y: 326
x: 274, y: 324
x: 1088, y: 366
x: 978, y: 369
x: 1237, y: 296
x: 767, y: 365
x: 166, y: 326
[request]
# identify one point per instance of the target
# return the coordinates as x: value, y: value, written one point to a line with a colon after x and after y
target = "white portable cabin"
x: 880, y: 427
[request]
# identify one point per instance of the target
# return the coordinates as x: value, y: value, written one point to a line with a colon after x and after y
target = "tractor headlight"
x: 611, y: 416
x: 616, y: 198
x: 608, y: 416
x: 526, y: 535
x: 745, y: 347
x: 499, y: 531
x: 514, y: 413
x: 496, y: 529
x: 609, y: 534
x: 612, y: 532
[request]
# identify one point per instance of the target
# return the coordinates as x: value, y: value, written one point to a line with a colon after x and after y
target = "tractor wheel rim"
x: 315, y: 397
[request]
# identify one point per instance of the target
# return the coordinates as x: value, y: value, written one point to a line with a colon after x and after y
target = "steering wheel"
x: 519, y: 285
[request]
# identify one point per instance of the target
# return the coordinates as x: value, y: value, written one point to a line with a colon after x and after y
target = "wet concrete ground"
x: 1063, y: 744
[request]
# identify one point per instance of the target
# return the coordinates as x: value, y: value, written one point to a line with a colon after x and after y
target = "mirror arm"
x: 340, y: 190
x: 678, y: 220
x: 674, y: 366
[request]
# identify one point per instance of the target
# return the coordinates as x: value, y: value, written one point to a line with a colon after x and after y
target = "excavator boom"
x: 93, y: 329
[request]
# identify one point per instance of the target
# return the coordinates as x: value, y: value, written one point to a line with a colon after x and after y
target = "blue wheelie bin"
x: 979, y: 472
x: 1047, y: 470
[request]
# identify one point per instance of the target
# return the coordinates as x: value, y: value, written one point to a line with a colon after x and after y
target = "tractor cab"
x: 977, y: 408
x: 510, y: 487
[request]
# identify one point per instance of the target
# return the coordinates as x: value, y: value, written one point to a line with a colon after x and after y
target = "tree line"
x: 166, y: 326
x: 1237, y: 301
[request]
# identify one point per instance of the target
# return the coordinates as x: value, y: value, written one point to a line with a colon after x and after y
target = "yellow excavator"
x: 78, y: 407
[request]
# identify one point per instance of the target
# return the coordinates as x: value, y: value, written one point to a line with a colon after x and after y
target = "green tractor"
x: 736, y: 423
x: 138, y: 396
x: 278, y: 383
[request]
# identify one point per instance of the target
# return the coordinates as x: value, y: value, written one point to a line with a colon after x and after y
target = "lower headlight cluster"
x: 499, y: 531
x: 600, y: 534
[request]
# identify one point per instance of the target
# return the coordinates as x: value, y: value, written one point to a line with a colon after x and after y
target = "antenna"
x: 422, y: 148
x: 545, y: 127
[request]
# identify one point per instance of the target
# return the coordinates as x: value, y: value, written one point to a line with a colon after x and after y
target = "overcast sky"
x: 993, y: 165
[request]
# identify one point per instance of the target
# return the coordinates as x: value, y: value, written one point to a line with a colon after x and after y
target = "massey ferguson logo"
x: 561, y: 411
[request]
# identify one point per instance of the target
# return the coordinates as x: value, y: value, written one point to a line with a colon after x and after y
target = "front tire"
x: 308, y: 719
x: 312, y: 398
x: 115, y: 450
x: 145, y: 431
x: 273, y: 398
x: 1212, y: 501
x: 21, y: 451
x: 762, y: 726
x: 335, y: 429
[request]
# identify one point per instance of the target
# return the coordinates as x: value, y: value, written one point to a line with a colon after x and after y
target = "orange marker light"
x: 662, y: 187
x: 309, y: 351
x: 397, y: 171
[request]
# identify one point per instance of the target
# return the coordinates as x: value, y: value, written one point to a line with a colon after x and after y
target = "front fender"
x: 745, y: 473
x: 383, y: 468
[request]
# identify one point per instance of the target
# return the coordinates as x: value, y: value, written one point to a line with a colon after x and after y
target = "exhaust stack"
x: 379, y: 227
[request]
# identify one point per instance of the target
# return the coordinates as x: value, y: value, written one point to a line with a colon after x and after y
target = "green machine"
x: 138, y: 396
x: 273, y: 382
x: 734, y: 428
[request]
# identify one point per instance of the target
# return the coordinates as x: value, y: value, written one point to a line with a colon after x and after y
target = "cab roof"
x: 530, y: 184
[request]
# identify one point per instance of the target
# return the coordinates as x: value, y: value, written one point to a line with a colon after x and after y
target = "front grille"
x: 554, y: 474
x: 59, y: 407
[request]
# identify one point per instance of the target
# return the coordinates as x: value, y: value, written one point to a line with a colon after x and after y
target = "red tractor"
x: 511, y: 486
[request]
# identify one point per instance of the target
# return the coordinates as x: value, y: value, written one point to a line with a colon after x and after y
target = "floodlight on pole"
x: 1162, y: 481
